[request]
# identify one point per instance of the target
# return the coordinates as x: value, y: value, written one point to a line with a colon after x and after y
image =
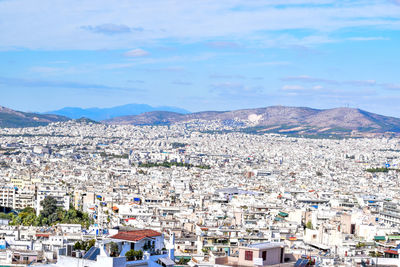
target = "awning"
x: 167, y: 261
x: 379, y: 238
x: 319, y: 246
x: 394, y: 237
x: 394, y: 252
x: 283, y: 214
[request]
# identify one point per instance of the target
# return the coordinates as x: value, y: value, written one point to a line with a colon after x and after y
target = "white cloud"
x: 188, y: 21
x: 138, y: 52
x: 309, y: 79
x: 290, y: 87
x: 234, y: 89
x: 108, y: 29
x: 223, y: 44
x: 46, y: 70
x: 391, y: 86
x: 377, y: 38
x: 271, y: 63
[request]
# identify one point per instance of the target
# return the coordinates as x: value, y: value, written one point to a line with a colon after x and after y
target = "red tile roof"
x: 42, y: 234
x: 136, y: 235
x: 392, y: 252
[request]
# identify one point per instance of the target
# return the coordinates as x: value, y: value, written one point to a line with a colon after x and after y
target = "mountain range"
x: 274, y: 119
x: 281, y: 119
x: 99, y: 114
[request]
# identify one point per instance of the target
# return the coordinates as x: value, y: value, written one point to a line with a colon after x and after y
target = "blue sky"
x: 200, y: 54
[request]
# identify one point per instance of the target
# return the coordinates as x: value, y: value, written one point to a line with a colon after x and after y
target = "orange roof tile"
x: 136, y: 235
x: 43, y: 234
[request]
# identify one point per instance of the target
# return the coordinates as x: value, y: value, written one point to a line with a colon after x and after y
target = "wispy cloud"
x: 226, y: 76
x: 165, y: 69
x: 191, y: 21
x: 111, y: 29
x: 271, y: 63
x: 113, y: 66
x: 223, y: 44
x: 292, y: 87
x: 309, y: 79
x: 347, y: 87
x: 184, y: 83
x: 391, y: 86
x: 135, y: 81
x: 376, y: 38
x: 18, y: 82
x: 235, y: 90
x: 47, y: 70
x: 138, y: 52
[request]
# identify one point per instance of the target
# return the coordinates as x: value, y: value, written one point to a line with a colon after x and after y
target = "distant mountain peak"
x: 99, y: 114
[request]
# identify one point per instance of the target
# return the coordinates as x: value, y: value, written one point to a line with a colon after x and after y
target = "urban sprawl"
x: 195, y: 194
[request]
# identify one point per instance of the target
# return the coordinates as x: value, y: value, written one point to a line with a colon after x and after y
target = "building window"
x: 248, y: 255
x: 264, y: 255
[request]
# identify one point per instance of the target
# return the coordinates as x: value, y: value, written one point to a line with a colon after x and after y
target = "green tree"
x: 29, y: 210
x: 309, y: 225
x: 5, y: 216
x: 90, y: 244
x: 49, y: 205
x: 360, y: 245
x: 44, y: 221
x: 51, y: 214
x: 78, y: 245
x: 131, y: 255
x: 183, y: 261
x: 29, y: 219
x: 84, y: 245
x: 114, y: 249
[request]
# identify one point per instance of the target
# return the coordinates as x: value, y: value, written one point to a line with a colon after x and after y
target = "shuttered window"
x: 248, y: 255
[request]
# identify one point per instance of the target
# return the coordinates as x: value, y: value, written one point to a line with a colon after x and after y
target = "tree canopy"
x: 50, y: 215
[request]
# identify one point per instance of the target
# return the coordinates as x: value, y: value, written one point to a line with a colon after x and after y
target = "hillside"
x: 14, y: 119
x: 281, y: 119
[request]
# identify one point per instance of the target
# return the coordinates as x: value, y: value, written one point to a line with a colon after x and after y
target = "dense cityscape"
x: 199, y: 133
x: 79, y: 193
